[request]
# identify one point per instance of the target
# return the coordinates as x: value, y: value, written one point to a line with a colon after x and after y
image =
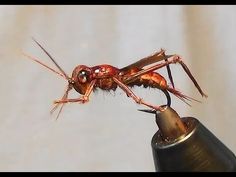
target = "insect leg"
x: 147, y: 70
x: 186, y: 69
x: 169, y: 74
x: 82, y: 99
x: 131, y: 94
x: 175, y: 59
x: 69, y: 87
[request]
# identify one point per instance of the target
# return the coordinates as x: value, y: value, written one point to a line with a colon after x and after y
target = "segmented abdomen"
x: 152, y: 79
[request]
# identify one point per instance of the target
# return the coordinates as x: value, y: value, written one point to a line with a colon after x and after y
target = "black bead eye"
x: 82, y: 76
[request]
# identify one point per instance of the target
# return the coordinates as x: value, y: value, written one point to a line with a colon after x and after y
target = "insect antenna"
x: 36, y: 60
x: 63, y: 72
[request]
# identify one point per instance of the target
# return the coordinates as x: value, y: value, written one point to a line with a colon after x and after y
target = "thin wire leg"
x: 138, y: 100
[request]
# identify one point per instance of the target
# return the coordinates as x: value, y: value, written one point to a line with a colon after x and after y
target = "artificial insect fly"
x: 86, y: 79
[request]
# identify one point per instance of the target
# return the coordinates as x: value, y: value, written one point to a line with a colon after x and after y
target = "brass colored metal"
x: 170, y: 125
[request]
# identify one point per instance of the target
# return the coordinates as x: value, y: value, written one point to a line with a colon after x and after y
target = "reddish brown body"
x: 86, y: 79
x: 151, y: 79
x: 103, y: 75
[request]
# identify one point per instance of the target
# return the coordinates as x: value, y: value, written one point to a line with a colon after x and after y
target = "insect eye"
x: 82, y: 76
